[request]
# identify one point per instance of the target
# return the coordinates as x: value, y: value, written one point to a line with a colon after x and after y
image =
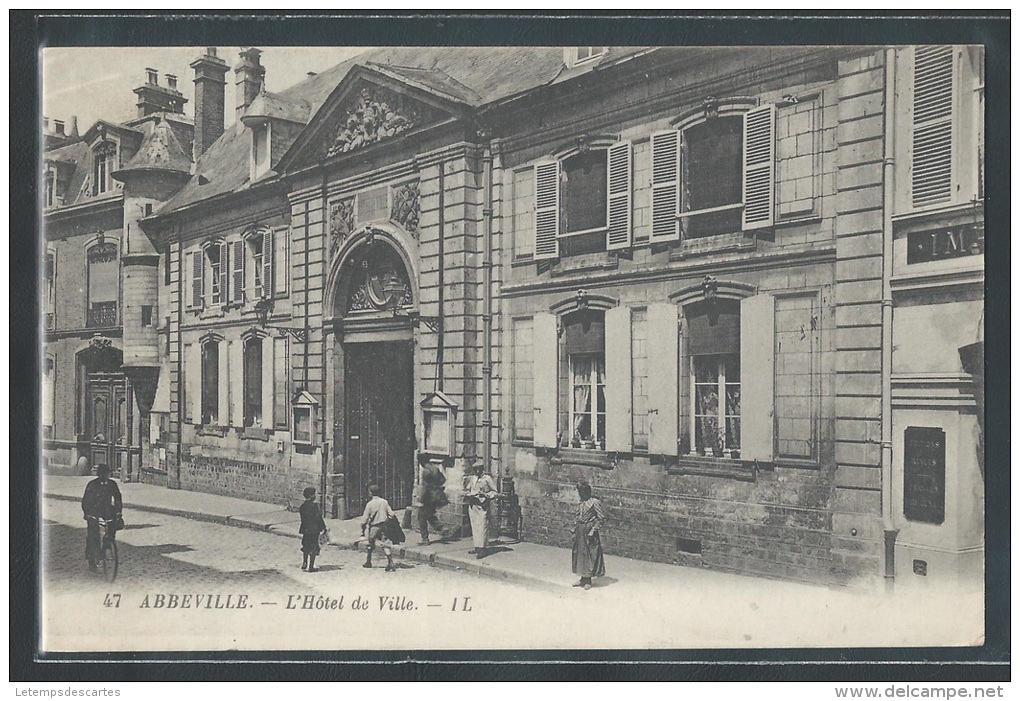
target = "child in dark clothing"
x: 311, y: 526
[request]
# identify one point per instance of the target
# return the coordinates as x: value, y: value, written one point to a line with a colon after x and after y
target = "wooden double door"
x: 106, y: 420
x: 379, y: 422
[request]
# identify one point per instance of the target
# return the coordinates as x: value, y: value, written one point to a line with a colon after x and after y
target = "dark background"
x: 29, y: 32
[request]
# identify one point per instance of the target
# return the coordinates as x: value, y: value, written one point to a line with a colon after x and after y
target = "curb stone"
x: 412, y: 554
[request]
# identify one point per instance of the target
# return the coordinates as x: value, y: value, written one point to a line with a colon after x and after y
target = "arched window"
x: 103, y: 284
x: 253, y: 381
x: 210, y: 381
x: 713, y: 350
x: 104, y: 160
x: 584, y: 343
x: 579, y: 203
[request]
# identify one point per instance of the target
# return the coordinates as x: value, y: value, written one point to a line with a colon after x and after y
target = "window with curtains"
x: 585, y: 385
x: 210, y: 382
x: 253, y: 381
x: 713, y: 350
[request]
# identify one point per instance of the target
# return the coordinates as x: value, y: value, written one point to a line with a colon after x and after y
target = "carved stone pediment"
x: 372, y: 113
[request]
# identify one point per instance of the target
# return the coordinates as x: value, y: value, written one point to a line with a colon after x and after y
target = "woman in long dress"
x: 481, y: 490
x: 588, y: 560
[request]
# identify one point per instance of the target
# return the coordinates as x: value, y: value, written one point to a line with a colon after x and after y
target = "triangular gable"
x: 370, y: 105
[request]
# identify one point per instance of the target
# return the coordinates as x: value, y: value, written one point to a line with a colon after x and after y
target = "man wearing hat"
x: 480, y: 490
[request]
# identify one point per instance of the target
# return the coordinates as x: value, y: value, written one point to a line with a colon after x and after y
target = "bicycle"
x: 107, y: 549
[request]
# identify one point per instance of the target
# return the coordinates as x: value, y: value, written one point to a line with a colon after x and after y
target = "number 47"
x: 112, y: 600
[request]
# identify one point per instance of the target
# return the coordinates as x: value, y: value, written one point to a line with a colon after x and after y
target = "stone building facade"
x: 678, y: 274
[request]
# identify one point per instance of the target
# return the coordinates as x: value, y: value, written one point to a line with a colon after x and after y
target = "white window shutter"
x: 193, y: 376
x: 618, y: 380
x: 267, y: 382
x: 546, y: 368
x: 618, y: 202
x: 236, y: 382
x: 759, y: 181
x: 280, y: 243
x: 195, y: 268
x: 237, y: 272
x: 931, y: 163
x: 267, y: 264
x: 223, y: 375
x: 663, y: 386
x: 665, y: 186
x: 224, y: 274
x: 547, y: 210
x: 757, y: 377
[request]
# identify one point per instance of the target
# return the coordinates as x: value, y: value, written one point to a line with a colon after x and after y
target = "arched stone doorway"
x: 373, y: 372
x: 105, y: 412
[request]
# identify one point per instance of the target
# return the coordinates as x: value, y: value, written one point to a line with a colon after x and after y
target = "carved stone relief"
x: 341, y: 222
x: 406, y: 208
x: 373, y: 114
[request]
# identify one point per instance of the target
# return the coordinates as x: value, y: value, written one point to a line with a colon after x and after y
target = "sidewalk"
x: 524, y: 563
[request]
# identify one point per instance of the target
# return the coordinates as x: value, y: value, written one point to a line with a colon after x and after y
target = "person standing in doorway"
x: 101, y: 500
x: 431, y: 498
x: 311, y: 526
x: 588, y: 560
x: 481, y: 490
x: 373, y: 526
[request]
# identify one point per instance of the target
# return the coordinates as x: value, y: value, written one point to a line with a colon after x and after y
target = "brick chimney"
x: 249, y: 77
x: 210, y: 89
x: 153, y: 97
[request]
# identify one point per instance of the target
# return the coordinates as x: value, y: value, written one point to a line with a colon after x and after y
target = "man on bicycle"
x: 100, y: 501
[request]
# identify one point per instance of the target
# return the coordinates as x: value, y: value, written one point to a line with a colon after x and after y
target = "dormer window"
x: 260, y: 150
x: 576, y: 55
x: 104, y: 163
x: 49, y: 187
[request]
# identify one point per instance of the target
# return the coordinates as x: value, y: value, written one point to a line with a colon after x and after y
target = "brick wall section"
x: 858, y: 295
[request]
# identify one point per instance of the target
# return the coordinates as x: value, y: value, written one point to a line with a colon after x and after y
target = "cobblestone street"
x: 162, y: 555
x: 194, y: 585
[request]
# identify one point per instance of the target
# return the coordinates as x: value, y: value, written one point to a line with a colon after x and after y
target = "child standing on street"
x: 373, y: 526
x: 311, y: 526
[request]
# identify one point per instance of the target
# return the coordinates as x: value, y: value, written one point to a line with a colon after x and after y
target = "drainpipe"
x: 888, y: 526
x: 487, y: 302
x: 441, y: 321
x: 180, y: 351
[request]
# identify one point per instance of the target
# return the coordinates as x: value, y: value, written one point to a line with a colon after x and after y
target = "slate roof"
x: 476, y: 76
x: 272, y: 106
x: 76, y: 154
x: 160, y: 150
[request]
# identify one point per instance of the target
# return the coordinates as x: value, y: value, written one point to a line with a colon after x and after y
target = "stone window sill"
x: 731, y: 468
x: 713, y: 245
x: 583, y: 456
x: 253, y: 433
x: 213, y: 430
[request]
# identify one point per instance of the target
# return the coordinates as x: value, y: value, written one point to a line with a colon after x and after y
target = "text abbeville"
x: 194, y: 601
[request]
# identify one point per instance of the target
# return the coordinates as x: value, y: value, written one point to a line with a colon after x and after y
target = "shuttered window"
x: 210, y: 382
x: 618, y: 204
x: 253, y: 381
x: 665, y: 173
x: 196, y: 267
x: 931, y: 178
x: 547, y: 210
x: 759, y: 168
x: 237, y: 272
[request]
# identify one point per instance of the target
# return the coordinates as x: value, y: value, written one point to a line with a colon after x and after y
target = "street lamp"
x: 264, y: 308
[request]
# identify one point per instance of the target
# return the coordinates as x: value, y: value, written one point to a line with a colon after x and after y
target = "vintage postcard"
x: 512, y: 347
